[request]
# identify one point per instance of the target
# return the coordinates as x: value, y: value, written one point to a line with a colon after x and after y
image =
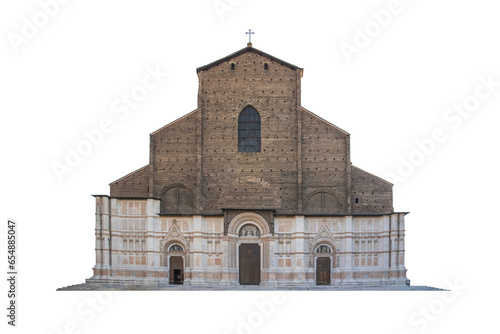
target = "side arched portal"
x: 323, y: 254
x: 175, y: 260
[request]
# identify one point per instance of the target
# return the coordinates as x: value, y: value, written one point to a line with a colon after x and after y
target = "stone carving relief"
x: 176, y: 249
x: 249, y: 231
x: 323, y: 249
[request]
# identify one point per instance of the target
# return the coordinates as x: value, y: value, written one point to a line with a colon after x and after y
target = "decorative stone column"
x: 400, y: 255
x: 102, y: 206
x: 268, y: 266
x: 299, y: 260
x: 232, y: 252
x: 196, y: 250
x: 393, y: 248
x: 271, y: 261
x: 153, y: 269
x: 225, y: 261
x: 105, y: 238
x: 384, y: 247
x: 348, y: 258
x: 111, y: 258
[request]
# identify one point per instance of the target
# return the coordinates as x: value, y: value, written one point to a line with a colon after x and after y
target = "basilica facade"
x: 249, y: 188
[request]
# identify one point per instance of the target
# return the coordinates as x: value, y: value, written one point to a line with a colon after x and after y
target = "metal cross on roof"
x: 250, y: 33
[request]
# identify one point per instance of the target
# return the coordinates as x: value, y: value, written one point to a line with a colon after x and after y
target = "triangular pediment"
x: 323, y: 233
x: 325, y: 236
x: 245, y: 50
x: 174, y: 234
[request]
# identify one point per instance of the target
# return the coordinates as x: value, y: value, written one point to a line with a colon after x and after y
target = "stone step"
x: 119, y: 287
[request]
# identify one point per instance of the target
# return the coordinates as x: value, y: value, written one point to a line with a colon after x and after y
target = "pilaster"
x: 196, y: 249
x: 348, y: 272
x: 300, y: 248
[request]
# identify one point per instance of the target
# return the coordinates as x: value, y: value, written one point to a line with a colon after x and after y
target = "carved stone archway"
x: 248, y: 217
x: 324, y: 257
x: 246, y: 230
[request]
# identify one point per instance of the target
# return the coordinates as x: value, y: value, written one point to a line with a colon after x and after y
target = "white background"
x: 395, y: 91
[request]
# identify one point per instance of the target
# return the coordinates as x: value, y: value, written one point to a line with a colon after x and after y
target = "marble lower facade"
x: 138, y: 246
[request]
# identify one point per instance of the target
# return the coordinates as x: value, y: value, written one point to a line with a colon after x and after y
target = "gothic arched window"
x: 249, y: 130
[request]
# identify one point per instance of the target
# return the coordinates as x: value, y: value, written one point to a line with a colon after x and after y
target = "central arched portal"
x: 249, y: 243
x: 249, y: 255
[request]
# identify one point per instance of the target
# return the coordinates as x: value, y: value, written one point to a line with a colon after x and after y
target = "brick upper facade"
x: 303, y: 166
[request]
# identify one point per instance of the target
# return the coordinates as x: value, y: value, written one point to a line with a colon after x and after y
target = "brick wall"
x: 135, y: 184
x: 266, y: 179
x: 173, y: 156
x: 325, y: 161
x: 373, y: 194
x: 197, y: 156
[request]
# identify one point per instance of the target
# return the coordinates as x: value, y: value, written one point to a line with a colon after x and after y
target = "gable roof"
x: 137, y: 171
x: 245, y: 50
x: 325, y: 121
x: 374, y: 176
x: 175, y: 121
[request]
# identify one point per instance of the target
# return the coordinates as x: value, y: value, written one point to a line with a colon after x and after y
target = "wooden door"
x: 176, y: 270
x: 323, y: 271
x: 249, y: 264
